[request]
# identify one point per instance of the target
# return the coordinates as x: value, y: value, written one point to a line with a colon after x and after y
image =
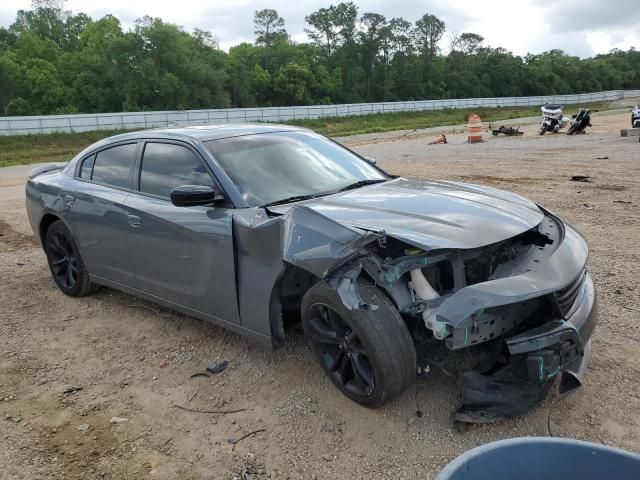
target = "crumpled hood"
x: 431, y: 214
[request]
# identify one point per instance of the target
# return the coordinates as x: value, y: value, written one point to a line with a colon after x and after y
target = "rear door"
x: 95, y: 211
x: 182, y: 254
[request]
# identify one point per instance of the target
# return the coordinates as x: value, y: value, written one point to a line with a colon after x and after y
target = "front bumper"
x: 560, y: 347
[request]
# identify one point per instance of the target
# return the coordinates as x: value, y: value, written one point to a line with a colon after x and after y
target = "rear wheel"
x: 65, y: 263
x: 368, y: 354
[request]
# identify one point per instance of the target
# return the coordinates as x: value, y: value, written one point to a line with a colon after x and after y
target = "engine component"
x: 424, y: 291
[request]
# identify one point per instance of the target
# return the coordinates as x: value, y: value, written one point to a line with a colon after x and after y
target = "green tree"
x: 268, y: 27
x: 429, y: 31
x: 291, y: 84
x: 53, y: 60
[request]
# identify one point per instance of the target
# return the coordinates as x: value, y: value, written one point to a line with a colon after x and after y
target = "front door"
x: 181, y: 254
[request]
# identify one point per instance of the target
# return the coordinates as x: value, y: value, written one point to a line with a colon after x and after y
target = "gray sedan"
x: 259, y: 228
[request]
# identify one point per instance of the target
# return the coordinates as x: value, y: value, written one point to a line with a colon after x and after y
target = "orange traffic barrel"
x: 474, y: 129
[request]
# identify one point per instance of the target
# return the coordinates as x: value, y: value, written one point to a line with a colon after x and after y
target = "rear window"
x: 112, y: 166
x: 87, y: 167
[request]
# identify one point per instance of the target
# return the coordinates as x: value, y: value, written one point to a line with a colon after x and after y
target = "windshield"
x: 270, y: 167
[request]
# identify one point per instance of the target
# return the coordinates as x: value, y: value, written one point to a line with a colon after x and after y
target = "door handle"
x: 134, y: 220
x: 69, y: 200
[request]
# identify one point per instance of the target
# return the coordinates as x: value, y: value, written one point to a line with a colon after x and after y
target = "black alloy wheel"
x: 66, y: 265
x: 368, y: 354
x: 341, y: 352
x: 64, y: 262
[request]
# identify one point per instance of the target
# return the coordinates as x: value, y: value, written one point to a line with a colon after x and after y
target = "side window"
x: 111, y: 166
x: 87, y: 167
x: 166, y: 166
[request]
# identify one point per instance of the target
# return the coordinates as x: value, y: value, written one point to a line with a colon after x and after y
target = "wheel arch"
x: 286, y: 299
x: 45, y: 222
x: 288, y: 292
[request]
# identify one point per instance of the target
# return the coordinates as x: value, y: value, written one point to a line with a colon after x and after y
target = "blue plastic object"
x: 543, y: 458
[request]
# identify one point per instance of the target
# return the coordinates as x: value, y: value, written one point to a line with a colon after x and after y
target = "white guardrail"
x: 139, y: 120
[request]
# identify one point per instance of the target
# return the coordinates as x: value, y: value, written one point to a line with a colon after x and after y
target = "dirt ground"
x: 69, y: 366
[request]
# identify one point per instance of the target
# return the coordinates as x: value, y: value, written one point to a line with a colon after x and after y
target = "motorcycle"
x: 552, y: 119
x: 580, y: 121
x: 635, y: 117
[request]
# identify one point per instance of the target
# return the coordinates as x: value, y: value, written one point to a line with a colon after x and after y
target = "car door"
x: 181, y: 254
x: 95, y: 211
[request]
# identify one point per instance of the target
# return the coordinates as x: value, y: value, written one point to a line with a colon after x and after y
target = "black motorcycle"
x: 580, y: 121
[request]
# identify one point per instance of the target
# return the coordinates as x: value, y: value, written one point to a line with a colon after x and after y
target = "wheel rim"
x: 340, y: 351
x: 63, y: 260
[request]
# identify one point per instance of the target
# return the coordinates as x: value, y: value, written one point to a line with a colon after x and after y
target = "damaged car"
x: 259, y: 228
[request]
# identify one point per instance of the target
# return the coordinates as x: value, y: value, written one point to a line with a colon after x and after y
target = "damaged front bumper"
x: 559, y: 347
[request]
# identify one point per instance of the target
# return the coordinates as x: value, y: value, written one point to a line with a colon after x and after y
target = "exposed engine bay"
x: 510, y: 306
x: 420, y: 282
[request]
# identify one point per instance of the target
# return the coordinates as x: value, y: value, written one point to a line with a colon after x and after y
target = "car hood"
x: 430, y: 214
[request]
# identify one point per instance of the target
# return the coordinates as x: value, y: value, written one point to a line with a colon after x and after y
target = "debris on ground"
x: 442, y: 139
x: 250, y: 471
x: 602, y: 158
x: 212, y: 370
x: 117, y: 420
x: 624, y: 202
x: 580, y: 178
x: 509, y: 131
x: 236, y: 442
x: 195, y: 410
x: 83, y: 427
x: 70, y: 389
x: 218, y: 367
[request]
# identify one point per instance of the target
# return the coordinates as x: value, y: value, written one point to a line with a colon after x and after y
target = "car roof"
x: 208, y: 132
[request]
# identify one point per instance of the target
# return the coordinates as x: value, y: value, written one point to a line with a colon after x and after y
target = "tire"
x: 573, y: 129
x: 541, y: 131
x: 66, y: 265
x: 368, y: 354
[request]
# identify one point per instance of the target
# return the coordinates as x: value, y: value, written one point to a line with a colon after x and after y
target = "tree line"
x: 54, y: 61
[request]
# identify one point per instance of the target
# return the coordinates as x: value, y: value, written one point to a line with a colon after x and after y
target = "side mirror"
x: 371, y: 160
x: 192, y: 195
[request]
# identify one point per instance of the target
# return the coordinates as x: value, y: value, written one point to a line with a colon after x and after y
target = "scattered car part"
x: 218, y: 367
x: 441, y: 140
x: 509, y: 131
x: 379, y: 269
x: 580, y: 121
x: 580, y: 178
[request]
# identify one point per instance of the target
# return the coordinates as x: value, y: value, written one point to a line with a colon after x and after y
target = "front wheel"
x: 542, y: 130
x: 368, y: 354
x: 573, y: 129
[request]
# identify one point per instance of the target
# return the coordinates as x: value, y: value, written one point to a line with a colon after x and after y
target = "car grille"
x: 566, y: 297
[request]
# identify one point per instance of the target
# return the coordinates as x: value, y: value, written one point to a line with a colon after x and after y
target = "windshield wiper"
x: 362, y: 183
x: 295, y: 198
x: 299, y: 198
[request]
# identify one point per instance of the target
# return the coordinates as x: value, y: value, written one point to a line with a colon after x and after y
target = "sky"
x: 579, y: 27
